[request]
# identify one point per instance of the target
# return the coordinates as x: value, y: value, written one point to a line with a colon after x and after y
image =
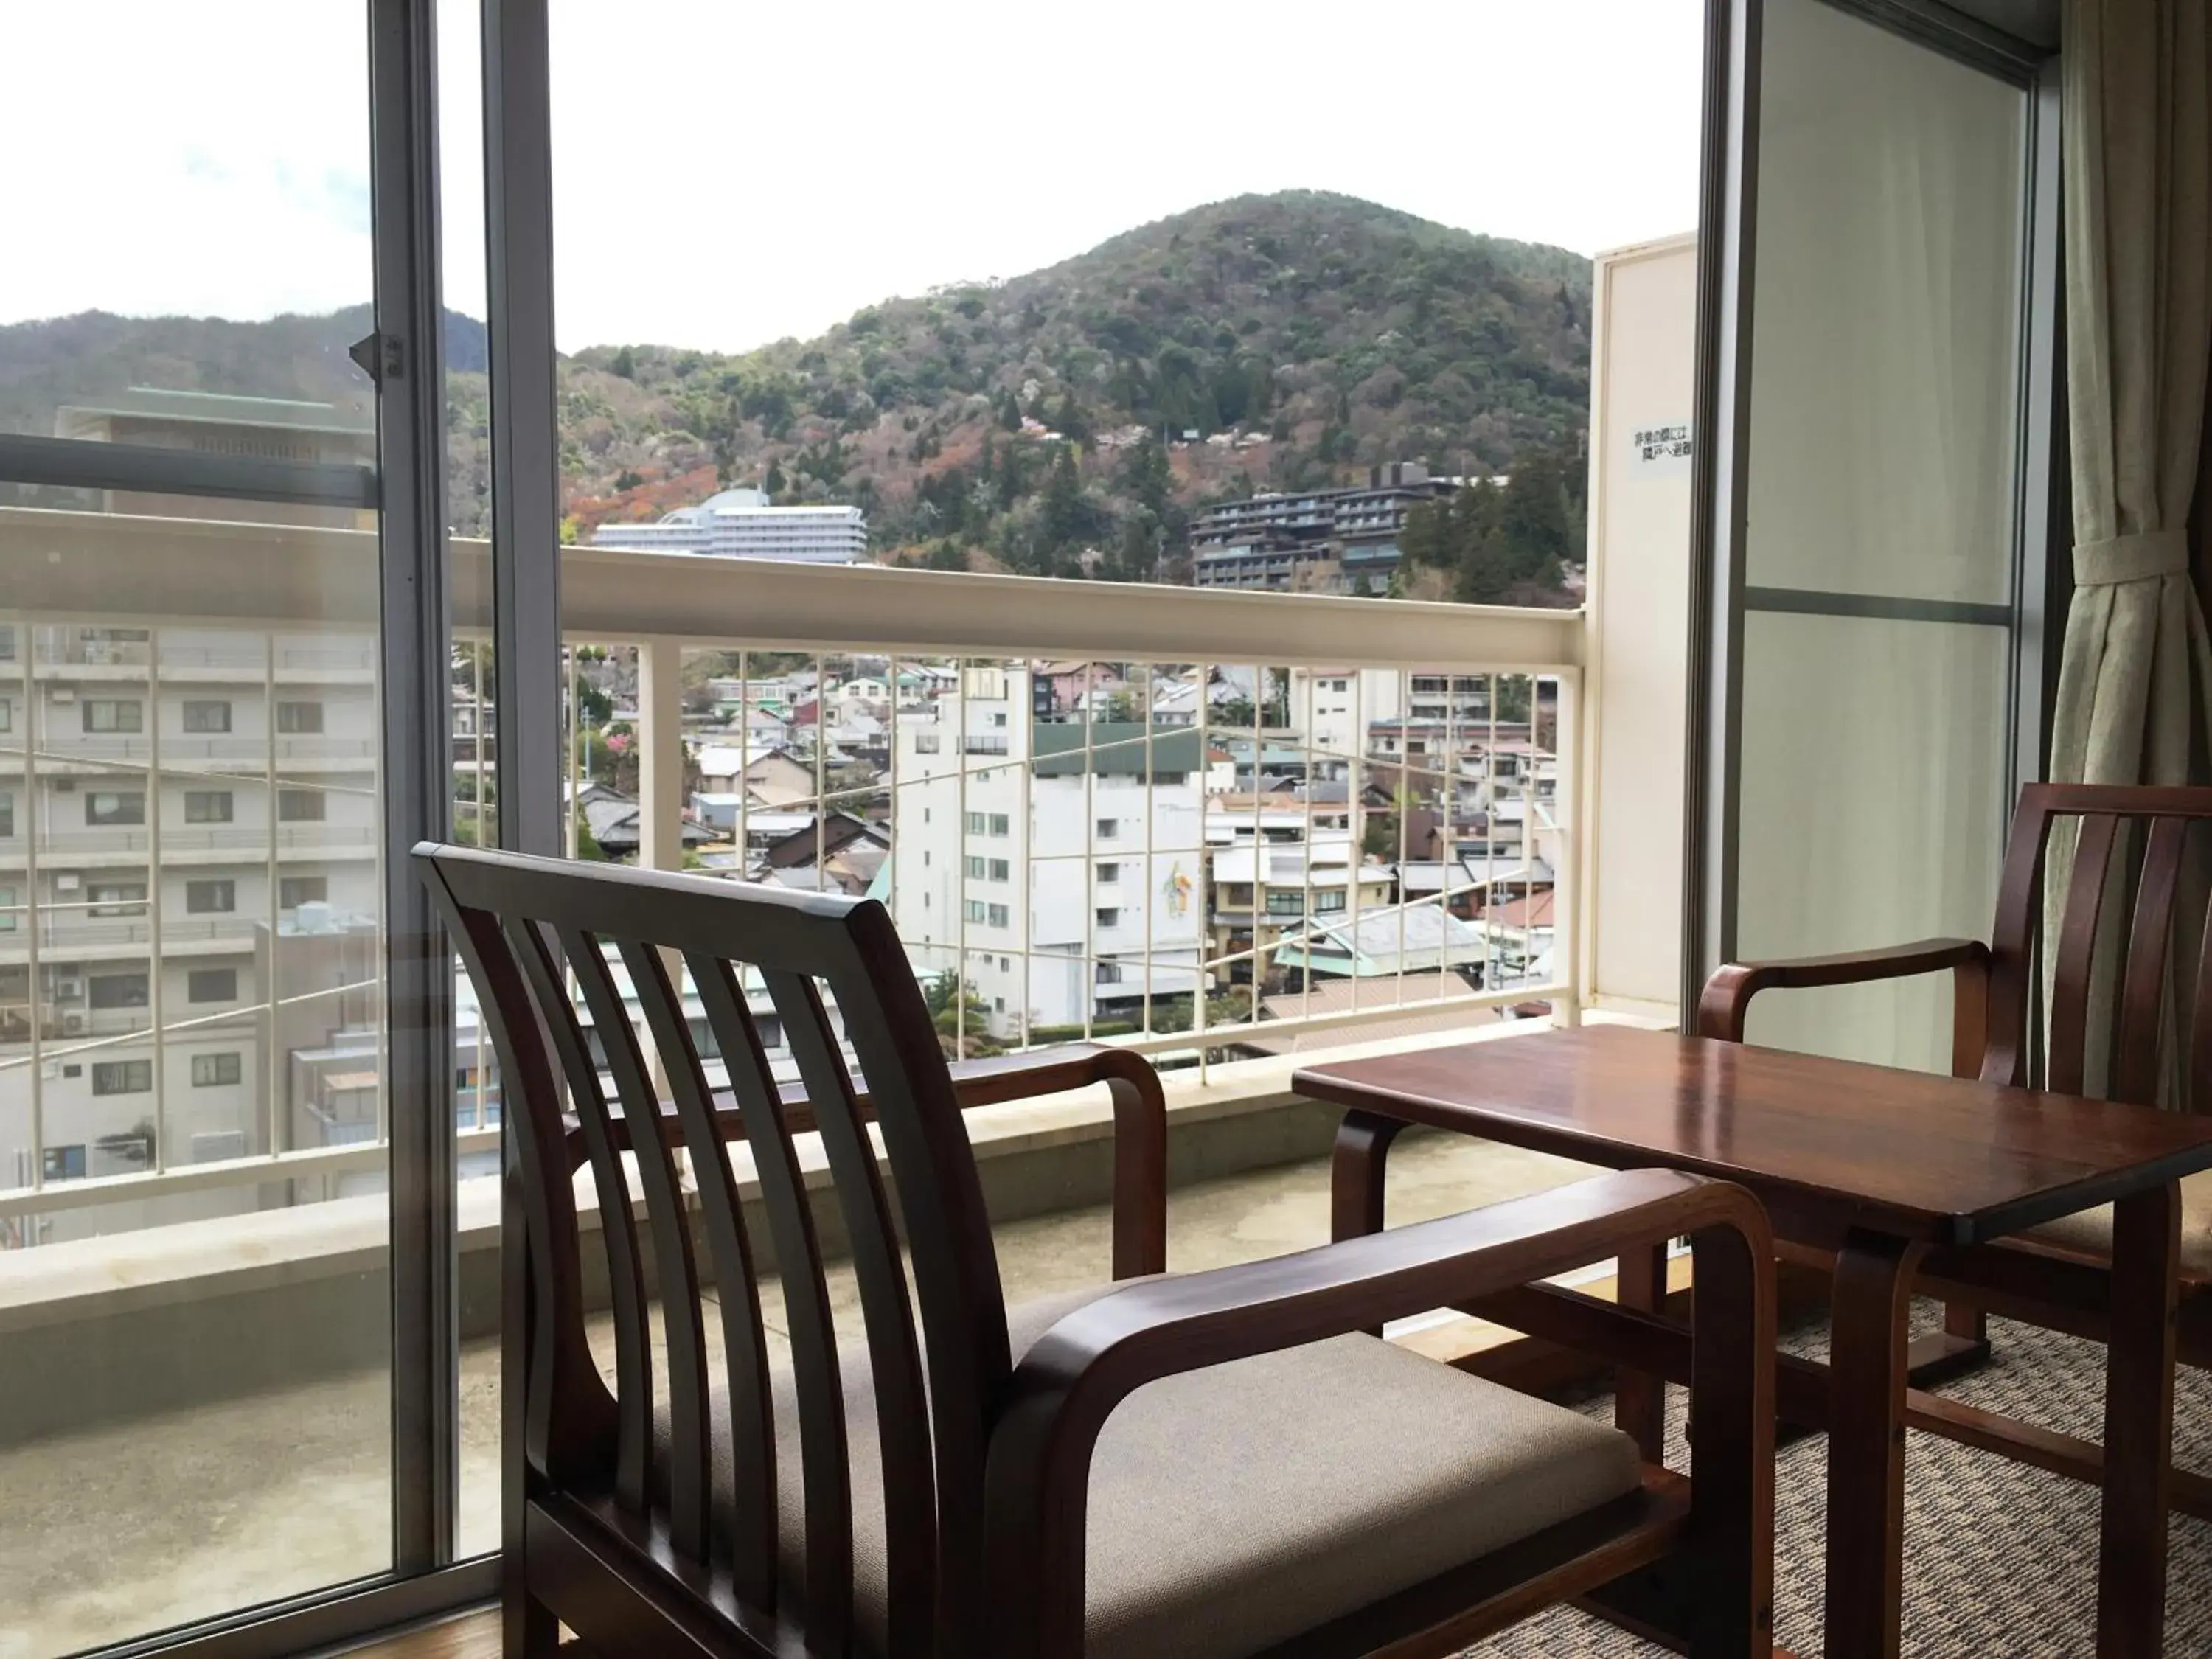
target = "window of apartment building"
x: 7, y: 714
x: 212, y: 985
x: 1000, y: 870
x: 1109, y: 973
x: 7, y: 815
x: 210, y: 897
x: 293, y: 891
x: 1110, y: 916
x: 117, y: 899
x: 1286, y: 904
x: 1170, y: 780
x: 1006, y: 964
x: 975, y: 866
x: 1110, y: 872
x: 1001, y: 824
x: 1332, y: 900
x: 975, y: 910
x: 65, y: 1162
x: 7, y: 909
x: 114, y: 714
x: 977, y: 824
x: 1109, y: 828
x: 302, y: 806
x: 208, y: 806
x: 207, y: 717
x: 122, y: 1077
x: 998, y: 719
x: 998, y: 915
x: 112, y: 806
x: 299, y: 717
x: 116, y: 991
x: 213, y: 1071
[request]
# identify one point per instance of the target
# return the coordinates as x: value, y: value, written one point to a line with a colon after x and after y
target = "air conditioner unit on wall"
x: 73, y: 1024
x: 68, y: 882
x: 69, y: 987
x: 64, y: 694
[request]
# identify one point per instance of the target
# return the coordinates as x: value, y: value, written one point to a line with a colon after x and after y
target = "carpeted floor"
x: 2000, y: 1560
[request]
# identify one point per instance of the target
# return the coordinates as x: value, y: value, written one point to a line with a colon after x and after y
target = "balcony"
x: 1109, y: 828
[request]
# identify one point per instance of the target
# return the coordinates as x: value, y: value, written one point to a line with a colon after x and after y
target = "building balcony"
x: 278, y: 1249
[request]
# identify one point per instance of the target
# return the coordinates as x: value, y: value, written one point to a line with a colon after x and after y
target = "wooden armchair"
x: 2057, y: 1276
x: 1214, y: 1464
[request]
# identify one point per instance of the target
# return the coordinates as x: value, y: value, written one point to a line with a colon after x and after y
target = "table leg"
x: 1639, y: 1399
x: 1869, y: 1305
x: 1355, y: 1177
x: 1355, y: 1173
x: 2138, y: 1423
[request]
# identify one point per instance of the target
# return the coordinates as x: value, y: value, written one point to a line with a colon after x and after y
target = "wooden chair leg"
x: 1639, y: 1399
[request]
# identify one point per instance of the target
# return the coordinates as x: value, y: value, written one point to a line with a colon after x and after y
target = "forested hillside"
x: 1038, y: 424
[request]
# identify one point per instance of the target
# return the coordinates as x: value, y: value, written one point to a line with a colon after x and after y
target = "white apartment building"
x: 739, y: 524
x: 188, y: 832
x: 1059, y: 865
x: 1333, y: 707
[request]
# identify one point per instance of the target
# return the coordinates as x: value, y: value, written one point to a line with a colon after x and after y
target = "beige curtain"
x: 2135, y: 681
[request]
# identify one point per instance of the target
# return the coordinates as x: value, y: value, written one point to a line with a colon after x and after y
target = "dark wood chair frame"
x: 986, y: 1467
x: 2039, y: 1283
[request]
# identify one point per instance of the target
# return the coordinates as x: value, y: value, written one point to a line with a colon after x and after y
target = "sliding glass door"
x: 1877, y: 601
x: 221, y: 1380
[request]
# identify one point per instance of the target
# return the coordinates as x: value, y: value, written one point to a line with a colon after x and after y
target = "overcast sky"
x: 727, y: 173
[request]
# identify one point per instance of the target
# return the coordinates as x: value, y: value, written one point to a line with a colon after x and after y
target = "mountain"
x: 1038, y: 423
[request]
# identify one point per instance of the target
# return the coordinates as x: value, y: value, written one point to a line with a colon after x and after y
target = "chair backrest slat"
x: 2012, y: 943
x: 955, y: 1266
x: 688, y: 1429
x: 2143, y: 993
x: 617, y: 1216
x: 565, y: 1403
x: 2109, y: 961
x: 826, y: 1477
x: 744, y: 1344
x: 894, y: 1357
x: 2077, y: 943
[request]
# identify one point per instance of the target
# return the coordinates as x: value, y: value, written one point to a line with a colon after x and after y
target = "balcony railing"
x: 1061, y: 950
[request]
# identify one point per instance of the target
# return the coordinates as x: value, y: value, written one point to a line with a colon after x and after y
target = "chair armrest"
x: 1075, y: 1375
x: 1726, y: 999
x: 1140, y: 1131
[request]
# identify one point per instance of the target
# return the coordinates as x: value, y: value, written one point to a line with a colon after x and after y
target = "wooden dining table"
x: 1879, y: 1165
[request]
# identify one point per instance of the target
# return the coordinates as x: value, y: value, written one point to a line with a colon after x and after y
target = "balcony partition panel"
x: 1881, y: 550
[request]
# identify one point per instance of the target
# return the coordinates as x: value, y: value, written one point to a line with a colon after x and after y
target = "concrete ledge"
x: 98, y: 1328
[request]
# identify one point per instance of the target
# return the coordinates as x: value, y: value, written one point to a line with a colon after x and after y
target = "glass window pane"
x: 168, y: 996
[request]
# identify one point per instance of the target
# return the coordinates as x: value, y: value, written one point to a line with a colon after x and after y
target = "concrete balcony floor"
x: 130, y: 1527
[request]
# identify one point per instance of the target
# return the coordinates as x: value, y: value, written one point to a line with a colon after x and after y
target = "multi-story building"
x: 1260, y: 892
x: 184, y: 807
x: 739, y: 524
x: 1335, y: 540
x: 1058, y: 864
x: 1333, y: 707
x: 189, y: 875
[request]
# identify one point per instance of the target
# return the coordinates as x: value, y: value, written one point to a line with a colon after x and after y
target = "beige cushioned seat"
x: 2092, y: 1229
x: 1232, y: 1508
